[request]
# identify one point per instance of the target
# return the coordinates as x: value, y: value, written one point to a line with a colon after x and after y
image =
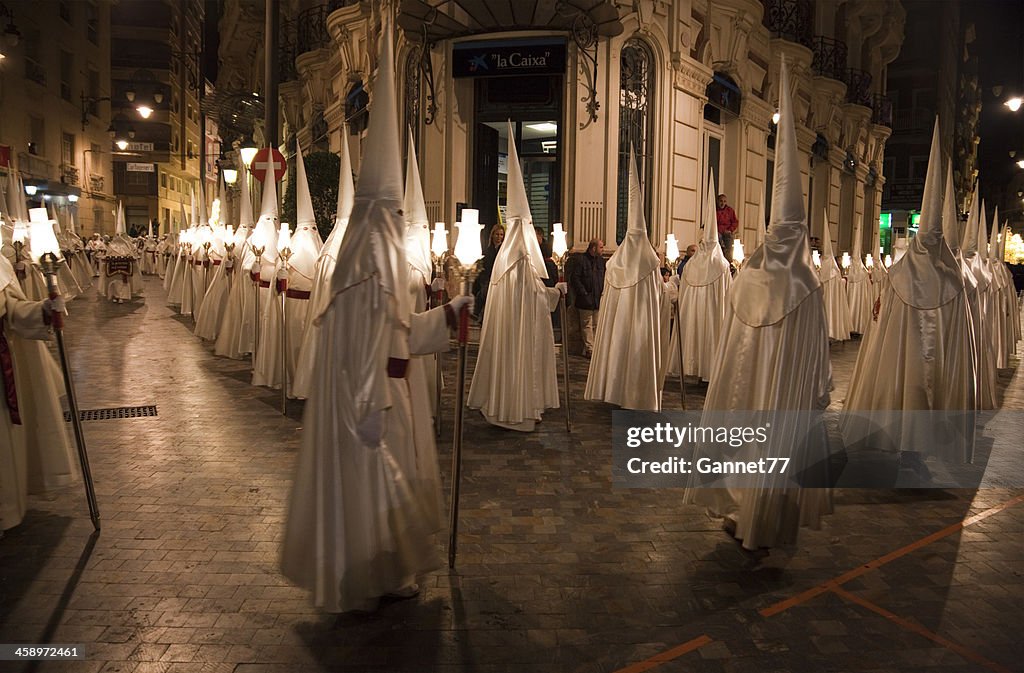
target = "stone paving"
x: 556, y: 570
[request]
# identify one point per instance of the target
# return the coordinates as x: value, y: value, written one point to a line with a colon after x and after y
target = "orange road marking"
x: 666, y: 656
x: 967, y: 654
x: 832, y: 584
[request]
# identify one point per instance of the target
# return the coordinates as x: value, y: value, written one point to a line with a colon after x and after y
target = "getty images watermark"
x: 807, y: 449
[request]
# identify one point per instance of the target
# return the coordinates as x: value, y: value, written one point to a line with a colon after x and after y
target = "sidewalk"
x: 556, y: 570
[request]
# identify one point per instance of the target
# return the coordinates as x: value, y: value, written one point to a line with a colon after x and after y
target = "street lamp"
x: 248, y: 151
x: 11, y: 34
x: 230, y: 176
x: 1014, y: 103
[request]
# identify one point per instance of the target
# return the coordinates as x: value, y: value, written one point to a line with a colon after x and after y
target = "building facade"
x: 156, y: 57
x: 54, y: 82
x: 936, y: 73
x: 690, y: 85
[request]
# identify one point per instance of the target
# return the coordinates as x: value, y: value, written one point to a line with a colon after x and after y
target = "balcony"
x: 791, y: 20
x: 311, y: 26
x: 829, y: 57
x: 286, y: 53
x: 34, y: 71
x: 34, y: 166
x: 881, y: 111
x: 913, y: 120
x: 858, y: 86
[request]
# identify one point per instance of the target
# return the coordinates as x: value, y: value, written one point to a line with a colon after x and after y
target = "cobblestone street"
x: 557, y: 571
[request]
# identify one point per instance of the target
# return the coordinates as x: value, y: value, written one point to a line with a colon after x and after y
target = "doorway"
x: 533, y: 104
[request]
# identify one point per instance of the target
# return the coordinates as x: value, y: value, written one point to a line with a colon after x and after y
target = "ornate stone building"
x: 691, y: 85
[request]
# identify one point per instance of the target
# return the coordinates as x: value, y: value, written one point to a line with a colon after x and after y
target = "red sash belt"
x: 397, y: 368
x: 198, y: 263
x: 7, y: 369
x: 216, y: 262
x: 297, y: 294
x: 255, y: 277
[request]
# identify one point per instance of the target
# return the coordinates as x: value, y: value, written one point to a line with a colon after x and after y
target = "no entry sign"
x: 266, y: 159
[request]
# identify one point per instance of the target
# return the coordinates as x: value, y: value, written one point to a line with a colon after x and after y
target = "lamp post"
x: 845, y: 262
x: 559, y: 251
x: 467, y: 252
x: 258, y: 246
x: 438, y: 253
x: 284, y: 249
x: 671, y: 255
x: 45, y: 252
x: 816, y: 259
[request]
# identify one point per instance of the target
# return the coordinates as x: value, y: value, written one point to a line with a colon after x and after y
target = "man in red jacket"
x: 727, y: 225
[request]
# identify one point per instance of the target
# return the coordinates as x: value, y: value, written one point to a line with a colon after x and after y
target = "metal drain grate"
x: 112, y: 413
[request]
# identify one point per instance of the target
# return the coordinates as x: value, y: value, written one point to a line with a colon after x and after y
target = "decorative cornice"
x: 757, y: 112
x: 692, y: 76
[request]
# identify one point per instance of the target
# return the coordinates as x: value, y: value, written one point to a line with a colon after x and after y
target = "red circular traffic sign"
x: 265, y: 159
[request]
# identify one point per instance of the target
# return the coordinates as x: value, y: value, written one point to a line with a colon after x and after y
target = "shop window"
x: 636, y: 118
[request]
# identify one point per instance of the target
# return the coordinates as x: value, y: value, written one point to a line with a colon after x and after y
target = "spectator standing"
x: 691, y: 250
x: 483, y: 280
x: 727, y: 225
x: 587, y: 284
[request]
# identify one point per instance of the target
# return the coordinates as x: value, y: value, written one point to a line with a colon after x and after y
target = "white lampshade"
x: 284, y: 237
x: 227, y: 234
x: 42, y: 240
x: 816, y: 258
x: 845, y: 260
x: 230, y: 176
x: 559, y: 246
x: 20, y: 232
x: 888, y: 261
x: 671, y: 248
x: 467, y: 246
x: 247, y: 154
x: 737, y: 251
x: 438, y: 240
x: 868, y: 261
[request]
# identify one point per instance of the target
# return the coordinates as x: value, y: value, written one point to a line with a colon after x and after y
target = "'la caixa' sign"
x: 531, y: 56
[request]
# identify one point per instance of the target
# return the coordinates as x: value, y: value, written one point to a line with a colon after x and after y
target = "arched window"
x: 636, y: 123
x: 411, y: 88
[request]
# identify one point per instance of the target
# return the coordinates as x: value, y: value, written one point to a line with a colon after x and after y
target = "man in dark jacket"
x: 586, y: 284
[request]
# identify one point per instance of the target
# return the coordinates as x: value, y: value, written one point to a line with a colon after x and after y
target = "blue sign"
x: 537, y: 56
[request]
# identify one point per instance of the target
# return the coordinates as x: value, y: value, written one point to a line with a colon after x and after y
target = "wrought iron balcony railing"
x: 829, y: 57
x: 791, y: 20
x: 286, y: 52
x: 858, y: 86
x: 917, y: 119
x: 881, y: 111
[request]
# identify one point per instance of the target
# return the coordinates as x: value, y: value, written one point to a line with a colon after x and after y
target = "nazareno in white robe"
x: 627, y: 367
x: 703, y: 291
x: 37, y: 455
x: 860, y: 295
x: 211, y: 310
x: 919, y: 357
x: 235, y: 335
x: 515, y: 380
x: 359, y: 521
x: 837, y: 307
x: 773, y: 359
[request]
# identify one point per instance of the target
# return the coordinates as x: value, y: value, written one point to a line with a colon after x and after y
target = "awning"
x: 446, y: 19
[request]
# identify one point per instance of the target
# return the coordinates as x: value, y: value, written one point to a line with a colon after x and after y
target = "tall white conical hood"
x: 635, y: 259
x: 265, y: 233
x: 779, y: 275
x: 346, y: 189
x: 969, y: 247
x: 194, y: 222
x: 11, y: 210
x: 1002, y: 242
x: 950, y: 221
x: 993, y: 240
x: 183, y: 223
x: 346, y: 194
x: 829, y: 269
x: 858, y: 273
x: 374, y: 242
x: 978, y: 256
x: 304, y: 215
x: 417, y: 227
x: 520, y: 237
x: 709, y: 262
x: 119, y: 227
x: 149, y: 234
x: 928, y: 275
